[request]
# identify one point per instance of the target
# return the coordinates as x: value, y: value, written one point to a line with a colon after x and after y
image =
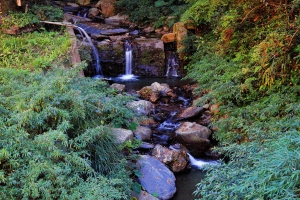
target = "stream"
x: 153, y: 63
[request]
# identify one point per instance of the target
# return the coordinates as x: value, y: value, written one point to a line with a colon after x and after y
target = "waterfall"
x: 97, y: 65
x: 172, y: 64
x: 200, y: 163
x: 128, y: 57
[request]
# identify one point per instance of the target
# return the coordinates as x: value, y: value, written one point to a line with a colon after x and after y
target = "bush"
x: 55, y: 139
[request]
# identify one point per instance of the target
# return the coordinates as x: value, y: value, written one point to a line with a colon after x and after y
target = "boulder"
x: 194, y: 137
x: 153, y: 92
x: 142, y: 107
x: 119, y: 87
x: 143, y: 133
x: 107, y: 7
x: 122, y: 135
x: 144, y: 196
x: 169, y: 37
x: 190, y: 112
x: 93, y: 12
x: 149, y: 29
x: 156, y: 178
x: 180, y: 31
x: 116, y: 20
x: 177, y: 160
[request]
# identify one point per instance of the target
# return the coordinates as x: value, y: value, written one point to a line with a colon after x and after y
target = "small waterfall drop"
x: 200, y: 163
x: 128, y: 60
x: 172, y: 65
x: 97, y: 66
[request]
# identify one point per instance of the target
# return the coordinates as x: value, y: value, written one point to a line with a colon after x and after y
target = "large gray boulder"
x: 122, y: 135
x: 156, y: 178
x: 190, y: 112
x: 194, y: 136
x: 142, y: 107
x: 143, y: 133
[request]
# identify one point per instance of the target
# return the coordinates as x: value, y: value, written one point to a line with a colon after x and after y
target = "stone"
x: 144, y: 196
x: 156, y: 178
x: 119, y: 87
x: 214, y: 109
x: 73, y: 4
x: 142, y: 107
x: 169, y: 37
x: 93, y: 12
x: 190, y: 112
x: 122, y: 135
x: 116, y: 20
x: 83, y: 2
x: 149, y: 29
x: 162, y: 88
x: 180, y: 31
x: 75, y: 19
x: 143, y: 133
x: 194, y: 136
x: 107, y: 7
x: 177, y: 160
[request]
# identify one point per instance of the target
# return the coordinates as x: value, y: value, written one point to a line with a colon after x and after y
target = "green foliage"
x: 18, y: 20
x: 33, y: 51
x: 35, y: 14
x: 249, y: 64
x: 157, y: 12
x: 52, y: 143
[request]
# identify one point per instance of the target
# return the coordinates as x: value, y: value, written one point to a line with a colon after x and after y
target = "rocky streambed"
x: 174, y: 131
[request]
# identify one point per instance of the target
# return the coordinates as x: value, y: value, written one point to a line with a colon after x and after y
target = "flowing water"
x: 96, y: 64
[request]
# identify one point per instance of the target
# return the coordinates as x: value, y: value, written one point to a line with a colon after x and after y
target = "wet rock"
x: 194, y: 137
x: 92, y: 30
x: 149, y: 57
x: 142, y: 107
x: 177, y: 160
x: 116, y: 20
x: 156, y: 90
x: 146, y: 145
x: 119, y: 87
x: 144, y: 196
x: 143, y: 133
x: 122, y: 135
x: 156, y: 177
x: 75, y: 19
x: 190, y: 112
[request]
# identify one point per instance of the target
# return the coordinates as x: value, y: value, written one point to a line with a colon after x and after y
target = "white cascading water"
x: 128, y: 59
x: 172, y: 65
x: 200, y: 163
x: 95, y: 52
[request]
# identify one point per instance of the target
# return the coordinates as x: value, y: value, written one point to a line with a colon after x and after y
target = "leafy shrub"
x: 55, y: 139
x: 153, y: 11
x: 248, y: 64
x: 33, y: 51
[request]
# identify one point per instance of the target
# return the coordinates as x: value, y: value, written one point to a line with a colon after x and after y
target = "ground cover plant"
x: 55, y: 138
x: 246, y: 59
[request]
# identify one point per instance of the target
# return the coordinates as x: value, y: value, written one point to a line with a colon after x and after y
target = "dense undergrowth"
x: 246, y: 59
x: 55, y: 137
